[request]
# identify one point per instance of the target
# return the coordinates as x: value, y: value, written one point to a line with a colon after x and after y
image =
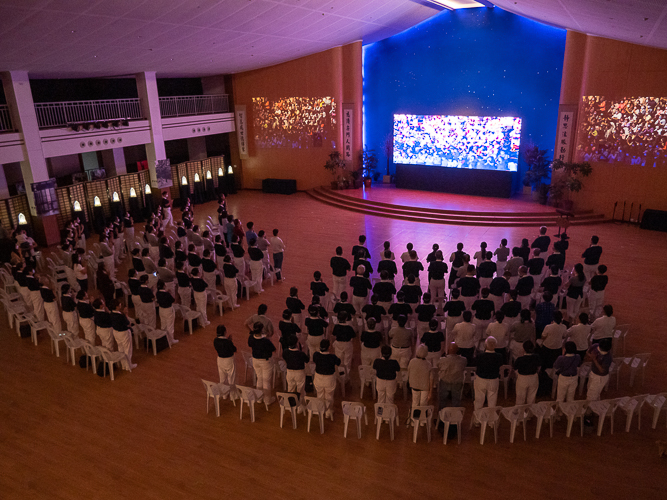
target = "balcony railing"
x: 61, y: 114
x: 193, y: 105
x: 5, y: 119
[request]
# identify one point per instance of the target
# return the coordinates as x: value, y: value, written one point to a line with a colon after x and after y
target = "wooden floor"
x: 68, y: 434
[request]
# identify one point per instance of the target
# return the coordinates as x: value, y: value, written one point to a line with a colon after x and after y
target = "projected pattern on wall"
x: 480, y: 142
x: 294, y: 122
x: 631, y: 130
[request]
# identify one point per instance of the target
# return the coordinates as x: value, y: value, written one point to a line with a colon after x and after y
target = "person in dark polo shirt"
x: 325, y: 375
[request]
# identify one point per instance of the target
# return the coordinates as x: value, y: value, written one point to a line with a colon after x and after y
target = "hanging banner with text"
x: 242, y: 131
x: 567, y: 116
x: 348, y: 133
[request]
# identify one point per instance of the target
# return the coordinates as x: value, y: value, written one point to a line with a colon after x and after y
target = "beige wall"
x: 336, y: 73
x: 599, y: 66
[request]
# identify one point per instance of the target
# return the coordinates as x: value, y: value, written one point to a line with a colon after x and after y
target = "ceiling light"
x: 456, y: 4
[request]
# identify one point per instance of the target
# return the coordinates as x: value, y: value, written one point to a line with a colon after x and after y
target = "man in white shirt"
x: 552, y: 340
x: 604, y: 326
x: 261, y: 317
x: 579, y: 334
x: 500, y: 331
x: 465, y: 336
x: 277, y: 249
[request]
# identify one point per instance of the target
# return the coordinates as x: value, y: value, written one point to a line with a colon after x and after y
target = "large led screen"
x: 631, y: 130
x: 480, y: 142
x: 294, y: 122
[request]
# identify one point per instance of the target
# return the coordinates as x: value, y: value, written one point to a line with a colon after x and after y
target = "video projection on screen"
x: 294, y: 122
x: 631, y: 130
x: 476, y: 142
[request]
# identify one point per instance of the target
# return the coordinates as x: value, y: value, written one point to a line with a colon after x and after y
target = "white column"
x: 19, y: 97
x: 197, y: 148
x: 150, y: 105
x: 4, y: 189
x: 114, y: 161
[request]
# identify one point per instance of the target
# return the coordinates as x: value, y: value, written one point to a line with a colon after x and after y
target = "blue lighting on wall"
x: 483, y: 62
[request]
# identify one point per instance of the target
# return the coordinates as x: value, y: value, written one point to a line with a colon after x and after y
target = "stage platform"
x: 442, y: 208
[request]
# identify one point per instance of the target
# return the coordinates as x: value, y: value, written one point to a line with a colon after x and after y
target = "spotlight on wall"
x: 133, y: 193
x: 97, y: 202
x: 147, y: 189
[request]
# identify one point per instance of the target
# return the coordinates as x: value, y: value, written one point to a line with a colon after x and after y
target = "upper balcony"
x: 191, y: 105
x: 5, y: 119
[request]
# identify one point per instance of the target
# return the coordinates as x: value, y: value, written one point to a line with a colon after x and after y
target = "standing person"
x: 122, y: 333
x: 385, y: 289
x: 167, y: 218
x: 68, y: 304
x: 527, y: 381
x: 575, y: 292
x: 325, y: 378
x: 601, y: 359
x: 86, y: 315
x: 361, y: 247
x: 165, y: 301
x: 523, y: 251
x: 436, y: 276
x: 567, y: 369
x: 596, y: 293
x: 544, y: 312
x: 499, y: 286
x: 183, y: 281
x: 579, y: 334
x: 480, y: 254
x: 469, y: 286
x: 262, y: 351
x: 256, y: 265
x: 80, y: 272
x: 454, y: 309
x: 296, y: 360
x: 360, y: 287
x: 387, y: 264
x: 35, y: 294
x: 261, y: 317
x: 524, y: 287
x: 433, y: 339
x: 451, y: 370
x: 464, y: 334
x: 339, y: 268
x: 103, y: 324
x: 487, y: 376
x: 543, y: 241
x: 386, y: 370
x: 605, y: 326
x: 50, y: 305
x: 456, y: 258
x: 147, y: 309
x: 294, y: 304
x: 521, y: 332
x: 287, y: 328
x: 316, y: 327
x: 419, y: 377
x: 343, y: 348
x: 500, y: 331
x: 318, y: 287
x: 225, y: 348
x: 400, y: 339
x: 552, y: 339
x: 501, y: 253
x: 591, y: 258
x: 371, y: 340
x: 199, y: 287
x: 230, y: 271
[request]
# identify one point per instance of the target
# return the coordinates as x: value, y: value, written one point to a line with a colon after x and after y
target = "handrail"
x: 5, y: 119
x: 63, y: 113
x: 193, y: 105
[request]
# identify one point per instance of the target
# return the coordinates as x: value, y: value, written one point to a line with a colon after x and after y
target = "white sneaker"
x: 174, y: 342
x: 133, y: 365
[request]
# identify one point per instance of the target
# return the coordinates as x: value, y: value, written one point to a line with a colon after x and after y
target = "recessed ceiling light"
x: 456, y: 4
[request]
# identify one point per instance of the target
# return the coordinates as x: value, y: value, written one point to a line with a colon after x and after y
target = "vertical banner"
x: 565, y: 133
x: 242, y: 131
x: 348, y: 133
x: 46, y: 201
x: 163, y: 173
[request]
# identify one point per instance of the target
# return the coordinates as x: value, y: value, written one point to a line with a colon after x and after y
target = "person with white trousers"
x: 225, y: 348
x: 165, y: 302
x: 50, y: 305
x: 122, y: 333
x: 68, y: 304
x: 527, y: 380
x: 262, y: 351
x: 488, y: 375
x: 567, y: 369
x: 86, y: 314
x: 199, y: 287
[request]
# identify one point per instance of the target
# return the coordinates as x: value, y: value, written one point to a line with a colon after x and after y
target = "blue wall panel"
x: 484, y: 62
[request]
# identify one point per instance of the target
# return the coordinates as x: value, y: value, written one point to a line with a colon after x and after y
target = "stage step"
x: 453, y: 217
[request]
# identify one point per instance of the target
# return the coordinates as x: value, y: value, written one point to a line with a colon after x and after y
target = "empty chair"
x: 614, y: 369
x: 632, y: 406
x: 657, y: 402
x: 421, y: 416
x: 487, y: 416
x: 367, y: 376
x: 36, y: 326
x: 187, y: 314
x: 584, y: 371
x: 212, y: 391
x: 111, y: 358
x: 554, y: 381
x: 452, y: 415
x: 638, y: 361
x: 56, y: 338
x: 247, y: 361
x: 544, y: 410
x: 316, y: 406
x: 72, y: 344
x: 572, y: 410
x: 153, y: 334
x: 288, y: 402
x: 385, y: 412
x: 620, y: 334
x: 220, y: 300
x: 92, y: 353
x: 516, y: 414
x: 250, y: 396
x: 505, y: 371
x: 469, y: 379
x: 356, y: 411
x: 603, y: 409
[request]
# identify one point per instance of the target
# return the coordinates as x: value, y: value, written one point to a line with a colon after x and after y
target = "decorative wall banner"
x: 242, y: 131
x: 163, y: 173
x: 348, y: 132
x: 46, y: 202
x: 567, y: 116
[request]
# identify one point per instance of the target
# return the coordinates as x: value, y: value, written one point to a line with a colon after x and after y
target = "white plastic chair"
x: 544, y: 410
x: 72, y: 344
x: 487, y: 416
x: 92, y: 352
x: 452, y: 415
x: 505, y: 371
x: 353, y: 410
x: 385, y: 412
x: 153, y: 334
x: 285, y: 399
x: 572, y: 410
x: 316, y: 406
x: 250, y: 396
x: 212, y: 391
x: 554, y: 381
x: 632, y: 406
x: 620, y: 334
x: 421, y: 416
x: 220, y: 300
x: 603, y: 409
x: 247, y: 361
x: 111, y: 358
x: 56, y: 338
x: 187, y: 314
x: 583, y: 373
x: 636, y: 362
x: 657, y: 402
x: 516, y: 414
x: 37, y: 326
x: 367, y: 376
x: 614, y: 369
x: 469, y: 379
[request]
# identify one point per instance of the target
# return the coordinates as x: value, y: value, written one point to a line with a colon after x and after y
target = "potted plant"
x: 388, y: 150
x: 539, y: 171
x: 567, y: 180
x: 369, y: 163
x: 336, y: 166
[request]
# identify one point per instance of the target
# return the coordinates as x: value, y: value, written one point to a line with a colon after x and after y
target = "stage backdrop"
x: 481, y: 62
